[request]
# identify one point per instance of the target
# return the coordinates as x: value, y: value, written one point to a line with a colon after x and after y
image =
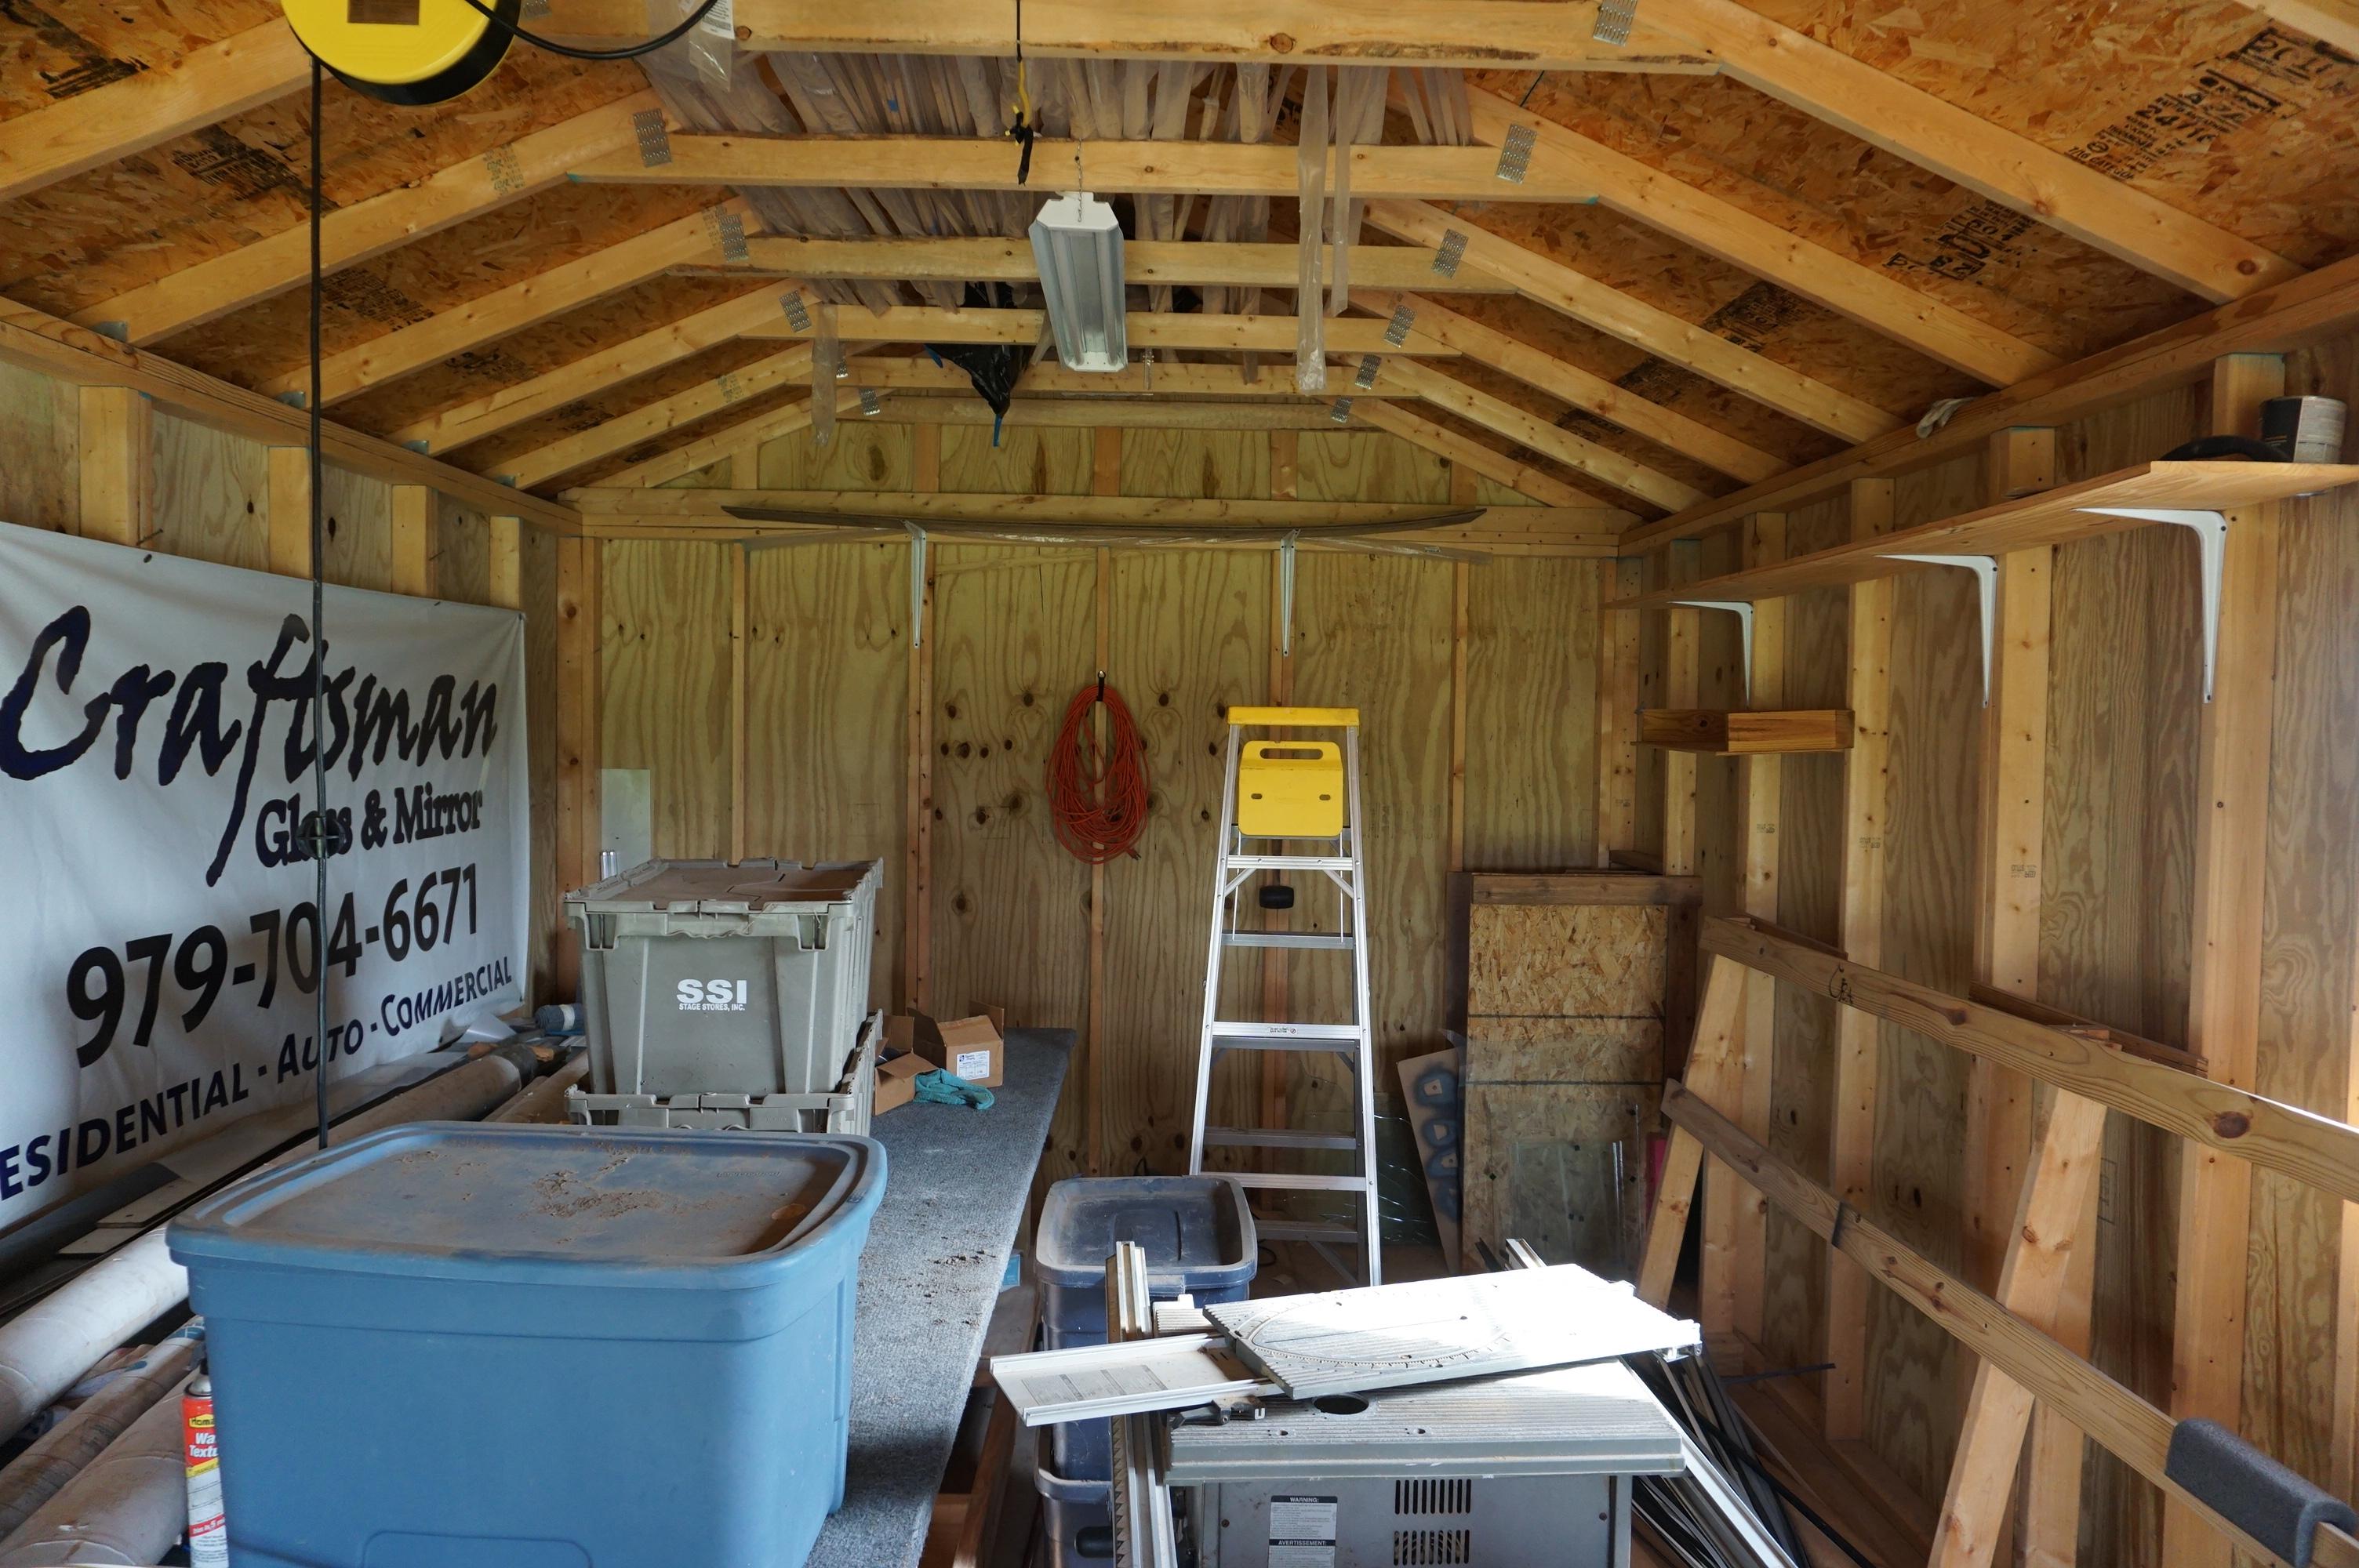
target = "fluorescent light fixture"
x: 1077, y: 243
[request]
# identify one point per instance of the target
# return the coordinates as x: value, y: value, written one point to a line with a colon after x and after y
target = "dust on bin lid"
x: 720, y: 886
x: 1196, y: 1230
x: 542, y: 1204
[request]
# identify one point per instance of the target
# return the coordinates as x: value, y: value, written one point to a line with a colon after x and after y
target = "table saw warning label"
x: 1302, y: 1532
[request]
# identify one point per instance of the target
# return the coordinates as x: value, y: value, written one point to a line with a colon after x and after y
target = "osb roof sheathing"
x: 2207, y: 106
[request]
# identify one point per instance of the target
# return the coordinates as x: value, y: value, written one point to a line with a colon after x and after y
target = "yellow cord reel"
x: 411, y: 52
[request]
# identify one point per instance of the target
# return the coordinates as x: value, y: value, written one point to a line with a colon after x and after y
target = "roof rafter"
x: 1144, y: 168
x: 1198, y: 263
x: 525, y: 303
x: 1473, y: 34
x: 1884, y: 112
x: 234, y: 279
x: 1874, y: 298
x: 1583, y: 389
x: 1531, y: 431
x: 1643, y: 326
x: 649, y: 420
x: 1521, y: 478
x: 1146, y: 328
x: 78, y: 133
x: 709, y: 448
x: 586, y: 377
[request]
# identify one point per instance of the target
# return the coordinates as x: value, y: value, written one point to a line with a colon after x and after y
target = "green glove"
x: 945, y: 1089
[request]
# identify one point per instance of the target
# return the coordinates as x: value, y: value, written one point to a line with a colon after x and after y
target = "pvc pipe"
x: 46, y: 1348
x: 128, y: 1506
x: 41, y: 1471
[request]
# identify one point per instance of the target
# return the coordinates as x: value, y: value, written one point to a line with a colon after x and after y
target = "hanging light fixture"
x: 1077, y: 244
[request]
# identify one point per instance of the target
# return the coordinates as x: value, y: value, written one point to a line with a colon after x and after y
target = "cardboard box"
x: 968, y: 1048
x: 896, y: 1080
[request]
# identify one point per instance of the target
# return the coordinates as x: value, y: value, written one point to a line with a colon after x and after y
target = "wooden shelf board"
x: 2057, y: 516
x: 1734, y: 732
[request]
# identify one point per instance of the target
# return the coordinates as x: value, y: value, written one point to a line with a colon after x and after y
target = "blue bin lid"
x: 1198, y: 1232
x: 524, y: 1204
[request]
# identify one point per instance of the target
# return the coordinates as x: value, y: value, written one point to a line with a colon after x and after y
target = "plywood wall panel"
x: 1809, y: 850
x: 1187, y: 639
x: 1224, y: 465
x: 460, y: 552
x: 1373, y: 633
x: 1029, y: 460
x: 664, y: 629
x: 863, y: 454
x: 827, y: 673
x: 1341, y: 465
x: 359, y: 552
x: 1531, y: 715
x: 1014, y: 635
x: 1929, y: 879
x: 212, y: 494
x: 2124, y: 701
x: 40, y: 485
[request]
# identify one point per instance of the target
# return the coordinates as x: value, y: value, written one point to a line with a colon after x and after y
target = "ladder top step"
x: 1278, y: 1138
x: 1298, y: 718
x: 1284, y: 939
x: 1290, y: 1181
x: 1289, y: 863
x: 1244, y: 1029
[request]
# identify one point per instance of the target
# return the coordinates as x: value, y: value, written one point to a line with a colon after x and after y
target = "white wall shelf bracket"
x: 1986, y: 571
x: 916, y: 584
x: 2211, y: 530
x: 1286, y: 595
x: 1743, y: 611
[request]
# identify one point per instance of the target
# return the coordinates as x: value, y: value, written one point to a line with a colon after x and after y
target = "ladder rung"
x: 1288, y: 863
x: 1278, y: 1138
x: 1274, y: 1228
x: 1292, y: 1182
x: 1249, y: 1029
x: 1284, y: 939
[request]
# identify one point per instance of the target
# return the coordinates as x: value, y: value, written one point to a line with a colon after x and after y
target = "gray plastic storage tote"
x: 700, y: 977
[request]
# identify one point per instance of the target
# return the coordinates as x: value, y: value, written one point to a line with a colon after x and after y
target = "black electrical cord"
x: 322, y: 837
x: 570, y: 52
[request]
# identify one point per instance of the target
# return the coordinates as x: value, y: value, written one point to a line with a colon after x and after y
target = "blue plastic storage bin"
x: 1076, y: 1518
x: 1198, y: 1238
x: 455, y: 1345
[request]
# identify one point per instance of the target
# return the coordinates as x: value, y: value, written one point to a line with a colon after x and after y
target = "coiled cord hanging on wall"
x: 1097, y: 791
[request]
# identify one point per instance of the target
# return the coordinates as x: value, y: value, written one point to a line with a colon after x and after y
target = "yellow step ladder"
x: 1293, y: 804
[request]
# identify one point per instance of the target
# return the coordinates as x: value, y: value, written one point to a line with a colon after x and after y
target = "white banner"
x: 158, y: 912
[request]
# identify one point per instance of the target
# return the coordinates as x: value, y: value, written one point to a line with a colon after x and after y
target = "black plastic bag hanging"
x: 992, y: 367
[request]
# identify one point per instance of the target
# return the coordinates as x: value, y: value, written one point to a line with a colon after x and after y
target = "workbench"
x: 955, y: 1188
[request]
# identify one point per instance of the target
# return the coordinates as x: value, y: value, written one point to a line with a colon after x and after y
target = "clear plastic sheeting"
x: 1310, y: 213
x: 1359, y: 120
x: 827, y: 364
x: 1435, y: 99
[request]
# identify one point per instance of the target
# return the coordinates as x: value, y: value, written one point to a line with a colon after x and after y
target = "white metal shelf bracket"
x: 2211, y: 530
x: 1286, y: 594
x: 1743, y: 611
x: 916, y: 584
x: 1986, y: 571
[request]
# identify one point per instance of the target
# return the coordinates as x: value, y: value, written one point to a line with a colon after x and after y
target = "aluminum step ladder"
x: 1294, y: 806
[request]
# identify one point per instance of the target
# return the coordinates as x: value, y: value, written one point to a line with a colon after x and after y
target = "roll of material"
x: 559, y: 1018
x: 128, y: 1505
x: 2280, y: 1509
x: 2306, y: 429
x: 43, y: 1470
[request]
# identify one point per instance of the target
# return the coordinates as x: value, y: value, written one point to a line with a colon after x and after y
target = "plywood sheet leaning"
x: 1564, y: 1006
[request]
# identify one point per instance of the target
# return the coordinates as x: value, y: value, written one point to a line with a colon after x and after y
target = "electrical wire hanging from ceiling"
x: 1097, y: 787
x: 323, y: 837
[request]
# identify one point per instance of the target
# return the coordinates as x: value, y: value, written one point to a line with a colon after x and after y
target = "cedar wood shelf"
x: 1735, y: 732
x: 2058, y: 516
